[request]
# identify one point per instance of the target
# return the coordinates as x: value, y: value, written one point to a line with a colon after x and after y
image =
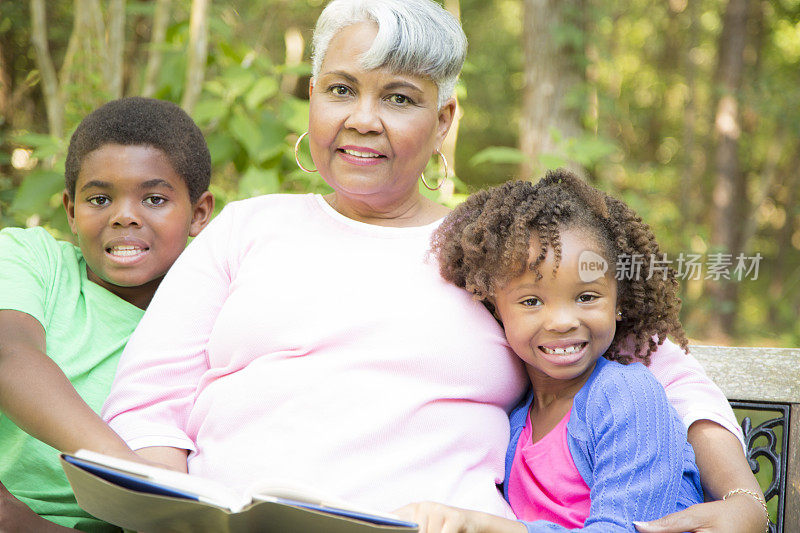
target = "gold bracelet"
x: 758, y: 497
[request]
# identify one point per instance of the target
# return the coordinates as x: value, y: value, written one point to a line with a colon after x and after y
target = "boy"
x: 137, y: 173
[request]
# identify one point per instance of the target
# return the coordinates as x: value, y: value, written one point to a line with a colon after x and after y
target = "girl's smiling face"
x: 371, y: 132
x: 559, y: 325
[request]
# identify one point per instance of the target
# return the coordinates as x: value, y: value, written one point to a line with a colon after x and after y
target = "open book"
x: 150, y: 499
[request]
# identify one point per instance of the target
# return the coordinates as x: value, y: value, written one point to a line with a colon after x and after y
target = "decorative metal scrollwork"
x: 754, y: 438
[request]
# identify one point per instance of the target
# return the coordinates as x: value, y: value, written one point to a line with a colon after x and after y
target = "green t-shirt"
x: 86, y: 329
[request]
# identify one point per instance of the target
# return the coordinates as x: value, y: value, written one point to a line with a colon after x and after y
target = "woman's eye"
x: 98, y: 200
x: 531, y: 302
x: 155, y: 200
x: 340, y: 90
x: 399, y: 99
x: 586, y: 298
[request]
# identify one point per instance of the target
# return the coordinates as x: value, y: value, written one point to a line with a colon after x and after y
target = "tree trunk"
x: 85, y: 54
x: 449, y: 145
x: 295, y: 45
x: 729, y: 187
x: 5, y: 89
x: 777, y: 294
x: 157, y: 38
x: 688, y: 178
x: 115, y: 42
x: 95, y: 52
x: 549, y: 72
x: 52, y: 95
x: 198, y: 51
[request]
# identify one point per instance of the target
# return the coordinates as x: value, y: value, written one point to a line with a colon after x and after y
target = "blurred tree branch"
x: 198, y: 52
x: 154, y: 54
x: 730, y: 185
x: 50, y: 89
x: 115, y: 40
x: 550, y: 71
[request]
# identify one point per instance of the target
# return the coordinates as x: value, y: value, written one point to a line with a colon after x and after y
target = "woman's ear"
x: 446, y: 115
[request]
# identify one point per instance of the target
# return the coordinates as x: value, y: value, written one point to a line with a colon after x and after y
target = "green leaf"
x: 237, y: 81
x: 210, y: 111
x: 498, y: 154
x: 301, y: 69
x: 140, y: 8
x: 264, y: 89
x: 34, y: 140
x: 257, y: 181
x: 247, y: 132
x: 44, y: 146
x: 171, y: 77
x: 263, y: 63
x: 588, y: 150
x: 294, y: 113
x: 273, y: 137
x: 222, y: 147
x: 36, y: 191
x: 215, y: 87
x: 552, y: 161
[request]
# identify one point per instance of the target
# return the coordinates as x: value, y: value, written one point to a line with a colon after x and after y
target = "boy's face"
x: 559, y: 325
x: 132, y: 215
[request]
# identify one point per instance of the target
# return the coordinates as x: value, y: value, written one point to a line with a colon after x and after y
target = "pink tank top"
x: 544, y: 483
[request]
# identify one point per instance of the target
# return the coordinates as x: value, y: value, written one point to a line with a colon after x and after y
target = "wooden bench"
x: 763, y: 386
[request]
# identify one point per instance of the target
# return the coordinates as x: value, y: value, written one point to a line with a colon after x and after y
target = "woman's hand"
x: 435, y: 517
x: 734, y: 515
x: 723, y: 467
x: 16, y: 517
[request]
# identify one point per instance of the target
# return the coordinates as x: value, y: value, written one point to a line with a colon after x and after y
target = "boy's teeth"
x: 125, y: 250
x: 360, y: 154
x: 563, y: 351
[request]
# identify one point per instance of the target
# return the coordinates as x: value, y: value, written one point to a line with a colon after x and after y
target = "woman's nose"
x: 364, y: 117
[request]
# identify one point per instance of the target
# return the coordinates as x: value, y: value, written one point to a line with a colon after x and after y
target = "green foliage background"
x: 646, y: 106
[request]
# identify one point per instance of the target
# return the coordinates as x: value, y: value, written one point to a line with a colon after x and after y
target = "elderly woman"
x: 307, y: 337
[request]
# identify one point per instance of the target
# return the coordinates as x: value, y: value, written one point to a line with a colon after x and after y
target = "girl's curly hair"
x: 487, y: 240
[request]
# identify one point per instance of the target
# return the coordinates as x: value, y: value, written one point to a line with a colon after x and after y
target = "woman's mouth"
x: 360, y: 155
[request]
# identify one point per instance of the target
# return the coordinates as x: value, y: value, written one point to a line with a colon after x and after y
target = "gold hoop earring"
x: 297, y: 156
x: 439, y: 186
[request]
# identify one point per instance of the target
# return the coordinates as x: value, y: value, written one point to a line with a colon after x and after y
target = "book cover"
x: 150, y: 499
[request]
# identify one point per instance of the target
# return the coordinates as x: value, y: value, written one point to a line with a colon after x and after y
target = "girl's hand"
x: 734, y: 515
x: 435, y: 517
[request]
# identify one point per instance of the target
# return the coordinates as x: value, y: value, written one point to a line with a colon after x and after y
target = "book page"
x: 205, y: 490
x: 273, y: 489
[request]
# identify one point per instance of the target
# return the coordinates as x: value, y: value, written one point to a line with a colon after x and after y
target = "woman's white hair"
x: 414, y: 37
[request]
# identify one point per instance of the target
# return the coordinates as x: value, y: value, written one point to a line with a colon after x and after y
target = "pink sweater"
x: 290, y: 342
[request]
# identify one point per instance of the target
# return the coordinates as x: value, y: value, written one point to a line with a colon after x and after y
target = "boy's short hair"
x: 143, y: 121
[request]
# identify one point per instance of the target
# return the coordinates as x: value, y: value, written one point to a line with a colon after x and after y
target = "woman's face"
x: 371, y: 132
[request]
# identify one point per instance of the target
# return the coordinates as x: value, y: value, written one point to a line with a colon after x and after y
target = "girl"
x: 595, y: 444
